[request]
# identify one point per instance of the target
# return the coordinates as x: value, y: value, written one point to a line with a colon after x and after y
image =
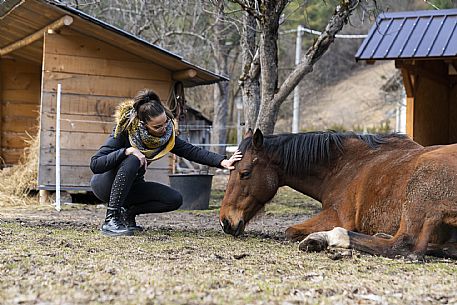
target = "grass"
x: 50, y: 258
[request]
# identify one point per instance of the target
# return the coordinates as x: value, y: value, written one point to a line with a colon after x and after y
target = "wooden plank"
x: 68, y: 157
x: 2, y: 63
x: 82, y: 104
x: 21, y: 110
x: 452, y: 114
x: 73, y: 140
x: 20, y: 124
x: 81, y: 157
x: 46, y: 10
x: 14, y: 140
x: 16, y: 26
x: 21, y: 75
x: 70, y: 175
x: 25, y: 41
x: 410, y: 117
x: 36, y: 18
x: 33, y: 53
x: 101, y: 85
x: 80, y: 123
x: 21, y: 96
x: 407, y: 82
x: 166, y: 60
x: 70, y: 42
x: 11, y: 156
x: 13, y: 65
x: 20, y: 81
x: 81, y: 175
x: 105, y: 67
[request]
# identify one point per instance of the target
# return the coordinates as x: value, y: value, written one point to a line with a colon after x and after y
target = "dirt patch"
x: 47, y: 257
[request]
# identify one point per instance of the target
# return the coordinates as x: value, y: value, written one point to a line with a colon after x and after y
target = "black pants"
x: 124, y: 186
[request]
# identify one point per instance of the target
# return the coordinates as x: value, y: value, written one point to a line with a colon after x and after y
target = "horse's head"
x: 252, y: 183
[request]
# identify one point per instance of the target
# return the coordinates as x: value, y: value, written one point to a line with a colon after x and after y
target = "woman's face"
x: 157, y: 126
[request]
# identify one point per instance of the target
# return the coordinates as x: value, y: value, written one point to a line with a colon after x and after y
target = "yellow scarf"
x: 152, y: 147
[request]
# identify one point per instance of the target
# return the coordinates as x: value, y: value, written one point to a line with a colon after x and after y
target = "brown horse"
x: 367, y: 184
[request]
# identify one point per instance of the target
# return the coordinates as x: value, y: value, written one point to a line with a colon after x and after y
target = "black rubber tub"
x: 194, y: 188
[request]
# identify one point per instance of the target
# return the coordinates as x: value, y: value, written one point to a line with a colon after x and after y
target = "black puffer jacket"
x: 112, y: 153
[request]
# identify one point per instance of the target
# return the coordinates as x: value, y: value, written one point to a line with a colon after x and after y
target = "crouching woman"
x: 144, y: 132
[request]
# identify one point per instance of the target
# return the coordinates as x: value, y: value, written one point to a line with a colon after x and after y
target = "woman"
x: 144, y: 132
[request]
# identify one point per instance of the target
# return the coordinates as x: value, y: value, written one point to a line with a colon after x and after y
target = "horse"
x: 382, y: 194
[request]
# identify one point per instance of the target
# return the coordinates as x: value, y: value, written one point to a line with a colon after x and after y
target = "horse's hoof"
x: 313, y: 243
x: 293, y: 234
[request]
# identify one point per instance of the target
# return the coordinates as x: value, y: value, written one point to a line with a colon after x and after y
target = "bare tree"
x: 267, y: 14
x: 222, y: 49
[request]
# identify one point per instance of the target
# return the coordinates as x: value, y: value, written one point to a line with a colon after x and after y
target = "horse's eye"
x: 245, y: 175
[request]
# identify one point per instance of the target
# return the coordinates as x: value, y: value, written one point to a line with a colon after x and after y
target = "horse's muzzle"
x: 235, y: 231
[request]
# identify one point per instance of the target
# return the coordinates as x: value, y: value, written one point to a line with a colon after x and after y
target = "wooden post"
x: 59, y: 94
x: 410, y: 117
x: 409, y: 82
x: 44, y: 196
x: 1, y: 108
x: 64, y: 21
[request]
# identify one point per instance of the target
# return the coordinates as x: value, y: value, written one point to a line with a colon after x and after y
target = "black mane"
x: 297, y: 152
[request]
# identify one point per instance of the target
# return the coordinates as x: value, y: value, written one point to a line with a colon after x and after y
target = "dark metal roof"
x: 414, y: 34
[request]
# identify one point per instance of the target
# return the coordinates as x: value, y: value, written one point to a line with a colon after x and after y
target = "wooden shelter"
x: 44, y: 43
x: 195, y: 127
x: 424, y: 47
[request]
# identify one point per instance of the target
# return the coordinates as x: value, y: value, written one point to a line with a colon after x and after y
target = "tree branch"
x: 315, y: 52
x: 253, y: 11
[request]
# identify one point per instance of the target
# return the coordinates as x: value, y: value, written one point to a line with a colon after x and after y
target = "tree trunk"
x: 272, y: 97
x: 249, y: 80
x: 219, y: 133
x: 221, y: 90
x: 269, y: 65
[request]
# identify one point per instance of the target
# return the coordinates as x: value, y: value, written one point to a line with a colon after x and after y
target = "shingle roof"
x: 414, y: 34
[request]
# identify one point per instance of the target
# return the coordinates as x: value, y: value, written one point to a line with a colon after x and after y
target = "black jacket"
x: 112, y: 152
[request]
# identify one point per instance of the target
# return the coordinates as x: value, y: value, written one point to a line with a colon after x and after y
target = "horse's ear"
x: 258, y: 139
x: 248, y: 134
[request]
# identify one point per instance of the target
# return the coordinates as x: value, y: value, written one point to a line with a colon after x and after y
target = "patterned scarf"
x: 152, y: 147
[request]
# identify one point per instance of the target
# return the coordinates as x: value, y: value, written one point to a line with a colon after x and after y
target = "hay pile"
x: 17, y: 181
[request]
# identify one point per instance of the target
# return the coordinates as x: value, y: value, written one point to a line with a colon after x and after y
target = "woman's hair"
x: 147, y: 105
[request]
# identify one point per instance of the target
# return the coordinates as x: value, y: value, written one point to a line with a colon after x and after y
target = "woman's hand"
x: 228, y: 164
x: 134, y: 151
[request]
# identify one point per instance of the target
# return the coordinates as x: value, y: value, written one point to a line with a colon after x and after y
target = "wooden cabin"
x: 44, y: 43
x: 195, y: 127
x: 424, y: 47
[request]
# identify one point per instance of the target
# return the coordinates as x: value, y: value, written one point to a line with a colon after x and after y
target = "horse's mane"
x: 297, y: 152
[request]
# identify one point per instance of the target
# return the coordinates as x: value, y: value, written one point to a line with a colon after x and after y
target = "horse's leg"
x: 447, y: 250
x: 410, y: 240
x: 325, y: 220
x: 342, y: 238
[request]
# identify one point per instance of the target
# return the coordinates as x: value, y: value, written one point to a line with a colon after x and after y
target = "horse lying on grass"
x: 367, y: 184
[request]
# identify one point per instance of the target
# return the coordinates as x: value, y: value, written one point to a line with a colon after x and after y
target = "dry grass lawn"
x: 183, y: 257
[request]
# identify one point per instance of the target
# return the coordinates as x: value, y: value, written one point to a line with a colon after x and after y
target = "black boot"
x: 128, y: 218
x: 113, y: 225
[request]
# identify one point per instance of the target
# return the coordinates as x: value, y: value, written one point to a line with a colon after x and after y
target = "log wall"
x: 20, y: 82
